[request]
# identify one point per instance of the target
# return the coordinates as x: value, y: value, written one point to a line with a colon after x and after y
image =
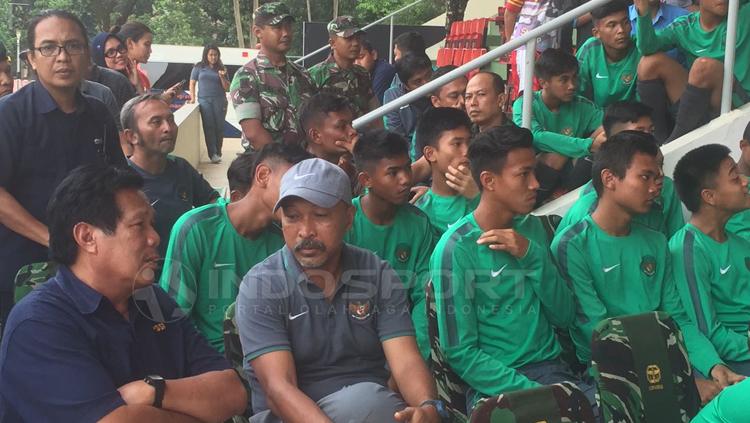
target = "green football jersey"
x: 665, y: 215
x: 566, y: 131
x: 603, y: 81
x: 623, y: 275
x: 445, y: 211
x: 686, y: 34
x: 730, y: 406
x: 406, y: 244
x: 713, y: 279
x: 205, y: 263
x: 496, y: 312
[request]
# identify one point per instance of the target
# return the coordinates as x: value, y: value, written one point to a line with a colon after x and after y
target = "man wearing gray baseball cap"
x: 319, y: 320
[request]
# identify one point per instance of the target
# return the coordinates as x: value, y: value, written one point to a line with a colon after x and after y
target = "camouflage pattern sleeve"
x: 245, y: 95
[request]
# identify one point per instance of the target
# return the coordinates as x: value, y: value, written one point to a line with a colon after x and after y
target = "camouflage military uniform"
x: 32, y: 275
x: 259, y: 90
x: 353, y: 83
x: 561, y: 402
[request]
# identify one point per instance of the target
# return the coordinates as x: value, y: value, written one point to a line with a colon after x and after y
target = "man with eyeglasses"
x: 47, y: 129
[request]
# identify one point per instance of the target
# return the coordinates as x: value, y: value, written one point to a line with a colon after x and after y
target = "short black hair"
x: 621, y: 112
x: 610, y: 8
x: 410, y: 42
x: 133, y: 30
x: 377, y: 145
x: 410, y: 64
x: 87, y: 195
x: 318, y: 106
x: 278, y: 152
x: 437, y: 120
x: 54, y: 13
x: 490, y: 149
x: 498, y: 83
x: 746, y: 134
x: 367, y: 45
x: 617, y: 155
x: 553, y: 62
x: 240, y: 172
x: 697, y: 171
x: 440, y: 72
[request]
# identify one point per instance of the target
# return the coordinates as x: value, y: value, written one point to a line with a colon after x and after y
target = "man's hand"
x: 418, y: 191
x: 137, y: 393
x: 642, y: 7
x: 424, y: 414
x: 348, y: 144
x: 600, y: 139
x: 461, y: 180
x: 725, y: 377
x: 707, y: 389
x: 507, y: 240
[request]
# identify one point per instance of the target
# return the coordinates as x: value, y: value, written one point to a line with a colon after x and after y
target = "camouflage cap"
x: 272, y: 14
x: 343, y: 26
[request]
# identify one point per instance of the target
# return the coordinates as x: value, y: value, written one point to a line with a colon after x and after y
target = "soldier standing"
x: 268, y: 91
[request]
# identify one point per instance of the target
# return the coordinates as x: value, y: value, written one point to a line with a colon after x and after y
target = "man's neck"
x: 615, y: 55
x: 654, y: 9
x: 318, y: 152
x: 342, y: 62
x: 497, y: 120
x: 552, y: 103
x: 709, y: 21
x: 65, y: 98
x: 152, y: 163
x: 379, y: 211
x: 611, y: 218
x: 711, y: 222
x: 117, y: 293
x: 277, y: 59
x: 491, y: 215
x: 249, y: 216
x: 440, y: 185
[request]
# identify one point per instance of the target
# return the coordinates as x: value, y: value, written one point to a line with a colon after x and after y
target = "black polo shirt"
x: 333, y: 344
x: 66, y: 350
x: 118, y: 83
x: 39, y: 146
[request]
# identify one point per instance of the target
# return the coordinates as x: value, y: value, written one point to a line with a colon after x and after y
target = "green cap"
x: 272, y: 14
x: 343, y: 26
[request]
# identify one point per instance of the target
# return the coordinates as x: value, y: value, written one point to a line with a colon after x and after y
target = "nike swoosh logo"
x: 218, y: 265
x: 610, y: 268
x: 298, y: 177
x: 725, y: 270
x: 701, y: 50
x: 601, y: 76
x: 294, y: 316
x: 497, y: 273
x: 155, y: 201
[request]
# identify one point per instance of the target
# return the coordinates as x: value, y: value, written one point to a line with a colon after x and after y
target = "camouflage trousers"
x: 545, y: 373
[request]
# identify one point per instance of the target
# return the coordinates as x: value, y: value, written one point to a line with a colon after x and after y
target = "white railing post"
x: 528, y: 82
x: 729, y: 53
x: 390, y: 43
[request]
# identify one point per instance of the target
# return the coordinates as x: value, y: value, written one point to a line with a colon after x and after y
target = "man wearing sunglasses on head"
x: 47, y: 129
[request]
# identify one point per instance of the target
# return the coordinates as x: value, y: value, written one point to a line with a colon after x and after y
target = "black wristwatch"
x: 159, y: 385
x: 439, y: 407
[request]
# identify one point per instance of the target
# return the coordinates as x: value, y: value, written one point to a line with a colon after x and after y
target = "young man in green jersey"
x: 239, y: 176
x: 498, y: 293
x: 387, y: 224
x: 212, y: 247
x: 701, y: 38
x: 711, y: 265
x: 443, y: 136
x: 740, y: 222
x: 665, y: 214
x: 618, y: 267
x: 566, y: 126
x: 609, y: 59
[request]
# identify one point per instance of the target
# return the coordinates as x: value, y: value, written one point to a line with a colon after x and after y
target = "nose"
x: 461, y: 102
x: 307, y: 228
x: 744, y: 180
x: 153, y: 238
x: 533, y: 182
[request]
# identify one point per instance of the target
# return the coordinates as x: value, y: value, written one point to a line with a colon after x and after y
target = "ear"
x: 487, y: 179
x: 84, y: 236
x: 708, y: 196
x: 608, y: 179
x: 744, y: 144
x: 331, y: 41
x: 364, y: 179
x: 429, y: 153
x: 501, y: 100
x: 595, y: 31
x: 262, y: 175
x: 130, y: 136
x: 31, y: 59
x: 256, y: 31
x: 313, y: 135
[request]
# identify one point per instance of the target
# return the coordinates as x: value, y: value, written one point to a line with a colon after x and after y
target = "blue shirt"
x: 39, y: 146
x: 209, y: 82
x: 382, y: 75
x: 664, y: 16
x: 66, y: 350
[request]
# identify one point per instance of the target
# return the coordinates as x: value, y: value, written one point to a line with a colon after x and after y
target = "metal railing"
x: 529, y: 40
x: 390, y: 42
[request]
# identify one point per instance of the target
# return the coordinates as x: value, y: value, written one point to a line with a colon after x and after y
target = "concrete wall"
x: 191, y: 144
x: 726, y: 129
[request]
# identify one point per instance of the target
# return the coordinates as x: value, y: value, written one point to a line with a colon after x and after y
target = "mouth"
x: 64, y: 72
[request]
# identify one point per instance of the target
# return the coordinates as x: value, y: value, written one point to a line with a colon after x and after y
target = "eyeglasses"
x: 73, y: 48
x: 114, y: 50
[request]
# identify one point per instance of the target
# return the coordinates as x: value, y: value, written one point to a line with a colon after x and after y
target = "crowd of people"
x: 330, y: 238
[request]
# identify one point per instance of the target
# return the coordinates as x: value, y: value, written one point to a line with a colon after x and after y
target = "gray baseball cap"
x: 317, y: 181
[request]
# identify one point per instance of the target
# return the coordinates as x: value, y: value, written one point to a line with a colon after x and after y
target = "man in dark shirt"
x: 6, y: 79
x: 172, y: 185
x: 47, y: 129
x: 122, y: 89
x: 98, y: 342
x: 381, y: 72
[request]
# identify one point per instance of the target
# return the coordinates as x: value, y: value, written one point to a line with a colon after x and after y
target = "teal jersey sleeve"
x: 694, y: 276
x: 730, y: 406
x: 416, y: 291
x: 552, y: 142
x: 650, y: 41
x: 702, y: 353
x: 674, y: 220
x: 553, y: 292
x: 182, y: 264
x: 585, y: 86
x: 451, y: 268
